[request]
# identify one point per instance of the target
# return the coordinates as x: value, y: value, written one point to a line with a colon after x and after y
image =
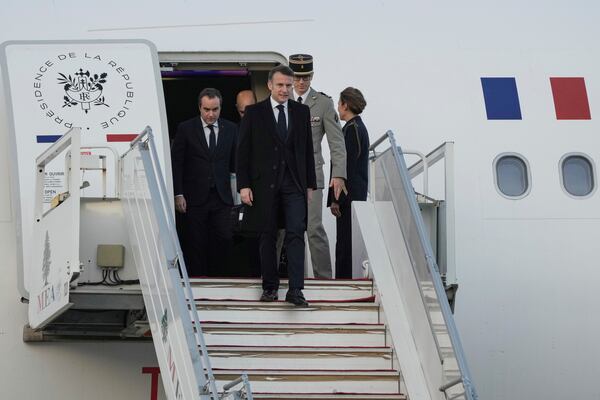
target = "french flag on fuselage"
x: 110, y: 137
x: 502, y: 102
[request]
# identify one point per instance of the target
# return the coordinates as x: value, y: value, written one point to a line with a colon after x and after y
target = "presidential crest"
x: 83, y: 89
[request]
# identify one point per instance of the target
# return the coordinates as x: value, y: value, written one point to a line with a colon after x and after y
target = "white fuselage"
x: 526, y: 268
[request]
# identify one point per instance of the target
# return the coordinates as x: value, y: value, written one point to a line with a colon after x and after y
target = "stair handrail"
x: 146, y: 138
x: 211, y: 383
x: 180, y: 300
x: 445, y: 152
x: 465, y: 375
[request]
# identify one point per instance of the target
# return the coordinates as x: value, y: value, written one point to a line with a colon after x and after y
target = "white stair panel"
x: 283, y: 312
x: 294, y: 334
x: 251, y: 289
x: 300, y: 358
x: 329, y: 396
x: 315, y: 381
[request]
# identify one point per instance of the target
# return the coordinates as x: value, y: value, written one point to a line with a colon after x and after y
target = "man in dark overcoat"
x: 275, y: 178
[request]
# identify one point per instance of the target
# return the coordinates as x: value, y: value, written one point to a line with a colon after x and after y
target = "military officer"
x: 324, y: 121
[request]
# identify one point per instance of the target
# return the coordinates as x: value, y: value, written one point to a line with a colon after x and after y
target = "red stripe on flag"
x: 120, y: 137
x: 570, y: 98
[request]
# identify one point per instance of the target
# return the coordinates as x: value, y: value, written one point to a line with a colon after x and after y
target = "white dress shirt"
x: 274, y: 105
x: 207, y: 131
x: 304, y: 96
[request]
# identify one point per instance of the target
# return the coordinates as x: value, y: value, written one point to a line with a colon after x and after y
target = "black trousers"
x: 245, y: 257
x: 343, y: 244
x: 207, y: 231
x: 291, y: 203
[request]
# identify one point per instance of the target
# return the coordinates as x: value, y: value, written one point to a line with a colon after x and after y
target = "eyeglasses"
x: 302, y: 78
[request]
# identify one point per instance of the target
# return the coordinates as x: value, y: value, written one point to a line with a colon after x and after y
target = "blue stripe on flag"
x: 47, y: 138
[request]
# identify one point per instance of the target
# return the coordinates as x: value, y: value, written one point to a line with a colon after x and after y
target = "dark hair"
x: 282, y: 69
x: 354, y: 99
x: 211, y: 93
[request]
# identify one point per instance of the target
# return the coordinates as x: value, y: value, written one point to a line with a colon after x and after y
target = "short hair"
x: 354, y: 99
x: 211, y: 93
x: 282, y: 69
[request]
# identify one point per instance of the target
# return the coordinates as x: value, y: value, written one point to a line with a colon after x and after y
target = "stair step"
x: 264, y: 334
x: 299, y: 358
x: 314, y: 381
x: 283, y: 312
x: 251, y: 289
x: 329, y: 396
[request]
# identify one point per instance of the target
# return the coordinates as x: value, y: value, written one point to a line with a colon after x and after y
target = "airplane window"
x: 577, y: 172
x: 512, y: 176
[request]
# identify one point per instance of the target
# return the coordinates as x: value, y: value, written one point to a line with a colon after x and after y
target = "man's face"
x: 280, y: 87
x: 244, y: 100
x: 302, y: 83
x: 210, y: 109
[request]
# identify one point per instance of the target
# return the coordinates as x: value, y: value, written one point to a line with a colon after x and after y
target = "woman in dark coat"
x: 350, y: 106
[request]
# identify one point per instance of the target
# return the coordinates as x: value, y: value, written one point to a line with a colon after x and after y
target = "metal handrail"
x: 116, y: 162
x: 444, y: 152
x: 147, y: 137
x: 465, y: 375
x: 425, y: 169
x: 243, y: 393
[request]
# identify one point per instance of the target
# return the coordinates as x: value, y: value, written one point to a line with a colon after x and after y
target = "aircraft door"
x: 55, y: 258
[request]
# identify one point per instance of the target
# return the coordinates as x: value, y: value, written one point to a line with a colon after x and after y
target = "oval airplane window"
x: 512, y: 176
x: 577, y: 175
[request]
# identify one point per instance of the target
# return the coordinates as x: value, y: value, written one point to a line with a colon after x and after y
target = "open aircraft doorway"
x: 184, y: 76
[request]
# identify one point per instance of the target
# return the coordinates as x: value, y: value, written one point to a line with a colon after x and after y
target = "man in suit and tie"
x: 324, y: 121
x: 275, y: 177
x: 203, y: 157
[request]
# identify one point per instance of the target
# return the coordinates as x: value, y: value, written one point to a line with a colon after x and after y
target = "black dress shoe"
x: 269, y: 295
x: 296, y: 297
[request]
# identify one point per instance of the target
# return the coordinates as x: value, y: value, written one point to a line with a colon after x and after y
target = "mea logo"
x: 83, y: 89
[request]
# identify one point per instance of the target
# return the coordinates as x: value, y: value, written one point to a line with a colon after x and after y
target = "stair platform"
x: 314, y: 381
x: 251, y: 289
x: 283, y: 312
x: 300, y: 357
x: 329, y: 396
x: 295, y: 334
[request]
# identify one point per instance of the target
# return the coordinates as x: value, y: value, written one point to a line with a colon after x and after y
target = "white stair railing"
x: 418, y: 278
x: 174, y: 322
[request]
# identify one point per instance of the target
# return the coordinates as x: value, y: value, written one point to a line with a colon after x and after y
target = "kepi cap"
x: 301, y: 64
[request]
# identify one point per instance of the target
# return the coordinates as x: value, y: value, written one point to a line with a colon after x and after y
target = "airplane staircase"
x: 336, y: 348
x: 390, y: 335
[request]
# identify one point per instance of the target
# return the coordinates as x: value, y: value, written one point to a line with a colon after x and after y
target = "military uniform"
x: 324, y: 121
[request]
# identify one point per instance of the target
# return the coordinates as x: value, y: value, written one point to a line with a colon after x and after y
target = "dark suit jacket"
x: 193, y: 163
x: 357, y: 161
x: 259, y: 157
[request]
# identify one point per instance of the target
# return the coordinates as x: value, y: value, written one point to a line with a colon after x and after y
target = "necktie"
x: 281, y: 124
x: 212, y: 139
x: 300, y: 99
